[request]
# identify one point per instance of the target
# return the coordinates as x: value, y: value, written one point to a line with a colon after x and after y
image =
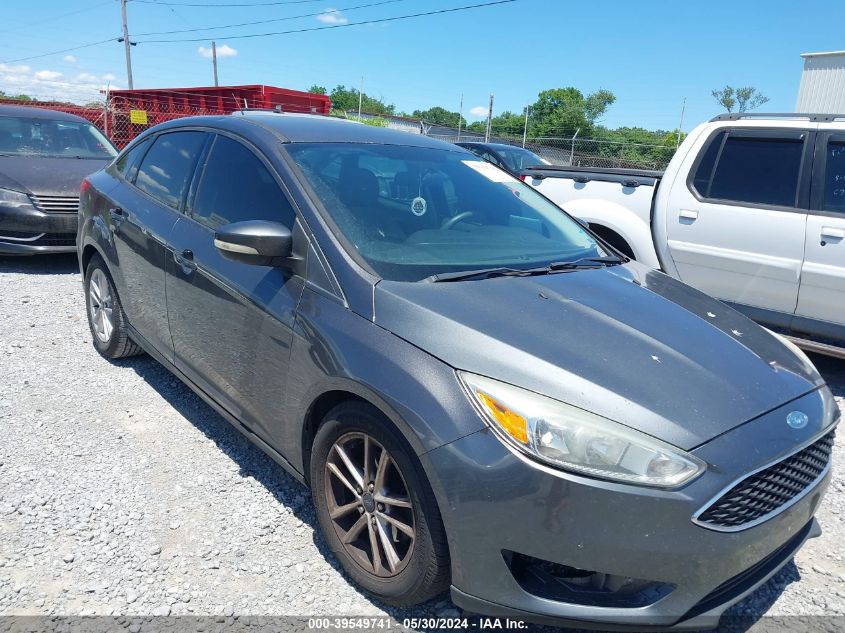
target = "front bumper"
x: 495, y: 502
x: 30, y: 231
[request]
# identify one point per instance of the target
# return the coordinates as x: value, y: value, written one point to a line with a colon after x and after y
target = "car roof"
x: 311, y: 128
x: 37, y: 112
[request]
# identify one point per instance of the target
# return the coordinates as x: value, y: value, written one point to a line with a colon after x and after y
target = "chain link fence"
x: 95, y: 114
x: 580, y: 152
x: 123, y: 120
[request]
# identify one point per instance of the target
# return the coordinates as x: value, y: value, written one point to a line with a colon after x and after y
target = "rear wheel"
x: 376, y: 508
x: 106, y: 318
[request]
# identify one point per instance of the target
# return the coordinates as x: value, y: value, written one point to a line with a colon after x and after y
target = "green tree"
x: 18, y: 97
x: 439, y: 116
x: 344, y: 98
x: 507, y: 124
x: 317, y: 90
x: 742, y: 99
x: 562, y: 111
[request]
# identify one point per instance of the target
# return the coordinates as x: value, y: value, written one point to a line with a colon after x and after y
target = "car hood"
x: 46, y: 176
x: 625, y: 342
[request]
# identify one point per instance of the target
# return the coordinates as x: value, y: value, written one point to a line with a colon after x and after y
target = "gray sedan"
x: 44, y: 155
x: 481, y: 394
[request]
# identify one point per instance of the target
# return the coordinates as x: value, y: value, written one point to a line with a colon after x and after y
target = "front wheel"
x: 376, y: 509
x: 106, y: 318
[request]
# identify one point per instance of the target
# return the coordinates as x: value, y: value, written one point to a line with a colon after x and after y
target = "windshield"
x: 413, y: 212
x: 518, y: 159
x: 23, y: 136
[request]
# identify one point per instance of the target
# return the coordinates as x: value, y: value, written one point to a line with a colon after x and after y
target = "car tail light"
x: 523, y: 177
x: 85, y: 186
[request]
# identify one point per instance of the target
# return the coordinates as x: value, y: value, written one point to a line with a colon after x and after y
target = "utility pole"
x: 214, y: 60
x: 680, y: 127
x: 489, y: 120
x: 460, y: 116
x: 126, y: 45
x: 360, y: 97
x: 525, y: 130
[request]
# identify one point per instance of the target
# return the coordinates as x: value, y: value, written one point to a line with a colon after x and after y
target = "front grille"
x: 38, y: 239
x: 18, y: 235
x: 765, y: 492
x: 56, y: 239
x: 56, y: 204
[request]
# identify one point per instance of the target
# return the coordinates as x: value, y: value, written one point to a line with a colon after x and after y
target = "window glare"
x: 411, y: 212
x: 24, y: 136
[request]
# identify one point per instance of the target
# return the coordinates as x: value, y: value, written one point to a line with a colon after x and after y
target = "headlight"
x: 14, y: 199
x: 574, y: 439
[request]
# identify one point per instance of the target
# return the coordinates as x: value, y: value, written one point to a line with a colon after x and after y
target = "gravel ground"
x: 122, y: 493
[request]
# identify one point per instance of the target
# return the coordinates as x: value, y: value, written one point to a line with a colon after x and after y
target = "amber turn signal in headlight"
x: 573, y: 439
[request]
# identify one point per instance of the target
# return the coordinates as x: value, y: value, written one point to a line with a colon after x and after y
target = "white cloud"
x: 479, y: 112
x: 50, y: 85
x: 222, y: 51
x: 21, y: 68
x: 47, y: 75
x: 70, y: 59
x: 109, y: 77
x: 332, y: 16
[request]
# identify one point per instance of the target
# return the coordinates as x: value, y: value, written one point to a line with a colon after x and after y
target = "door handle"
x: 185, y: 259
x: 688, y: 214
x: 833, y: 233
x: 117, y: 212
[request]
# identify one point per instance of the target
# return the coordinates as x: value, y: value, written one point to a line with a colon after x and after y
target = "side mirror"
x: 256, y: 242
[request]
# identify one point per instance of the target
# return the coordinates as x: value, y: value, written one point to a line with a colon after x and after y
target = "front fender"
x: 633, y: 229
x: 335, y: 349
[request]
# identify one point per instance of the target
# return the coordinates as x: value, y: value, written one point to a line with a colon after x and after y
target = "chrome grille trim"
x: 56, y: 204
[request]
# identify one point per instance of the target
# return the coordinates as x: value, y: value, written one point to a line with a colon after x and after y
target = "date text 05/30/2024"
x: 414, y: 624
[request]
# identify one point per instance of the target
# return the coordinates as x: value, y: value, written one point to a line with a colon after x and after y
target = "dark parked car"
x: 508, y: 157
x: 477, y: 390
x: 44, y: 155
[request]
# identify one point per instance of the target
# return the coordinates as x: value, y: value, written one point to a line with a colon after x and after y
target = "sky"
x: 652, y: 54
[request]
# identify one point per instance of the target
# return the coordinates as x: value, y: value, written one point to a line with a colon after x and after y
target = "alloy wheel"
x: 369, y: 505
x: 100, y: 305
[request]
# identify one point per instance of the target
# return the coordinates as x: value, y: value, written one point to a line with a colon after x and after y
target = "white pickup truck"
x: 751, y: 210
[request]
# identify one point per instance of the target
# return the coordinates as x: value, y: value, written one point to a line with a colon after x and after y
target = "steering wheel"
x: 450, y: 222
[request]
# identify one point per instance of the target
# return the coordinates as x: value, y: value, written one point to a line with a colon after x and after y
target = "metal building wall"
x: 822, y: 88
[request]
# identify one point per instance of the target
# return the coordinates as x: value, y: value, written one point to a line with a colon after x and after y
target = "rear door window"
x: 752, y: 169
x: 167, y: 167
x: 127, y: 164
x: 834, y: 177
x: 237, y: 186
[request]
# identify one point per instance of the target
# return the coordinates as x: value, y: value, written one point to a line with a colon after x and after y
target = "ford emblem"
x: 797, y: 419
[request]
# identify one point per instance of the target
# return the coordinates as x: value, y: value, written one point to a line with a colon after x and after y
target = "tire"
x: 423, y: 572
x: 113, y: 341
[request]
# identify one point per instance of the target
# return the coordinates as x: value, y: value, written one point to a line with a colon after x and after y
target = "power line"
x: 225, y: 5
x: 337, y: 26
x: 291, y: 17
x: 64, y: 50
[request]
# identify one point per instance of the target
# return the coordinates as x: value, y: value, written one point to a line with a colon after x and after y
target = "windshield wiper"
x: 484, y: 273
x: 487, y: 273
x: 585, y: 262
